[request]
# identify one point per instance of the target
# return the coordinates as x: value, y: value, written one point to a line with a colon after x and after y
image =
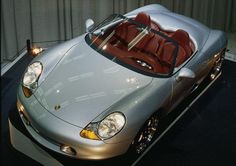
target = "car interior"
x: 145, y: 49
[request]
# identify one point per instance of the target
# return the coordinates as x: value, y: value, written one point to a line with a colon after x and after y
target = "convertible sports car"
x: 103, y: 93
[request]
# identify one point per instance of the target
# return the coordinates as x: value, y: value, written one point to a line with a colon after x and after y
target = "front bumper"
x: 51, y: 132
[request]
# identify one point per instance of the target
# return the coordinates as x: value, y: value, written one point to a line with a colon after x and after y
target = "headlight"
x: 31, y: 77
x: 32, y: 74
x: 107, y: 128
x: 111, y: 125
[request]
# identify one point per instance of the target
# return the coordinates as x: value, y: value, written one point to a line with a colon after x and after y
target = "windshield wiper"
x: 137, y: 38
x: 106, y: 40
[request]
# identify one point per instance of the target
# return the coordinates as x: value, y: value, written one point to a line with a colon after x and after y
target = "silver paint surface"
x: 85, y: 84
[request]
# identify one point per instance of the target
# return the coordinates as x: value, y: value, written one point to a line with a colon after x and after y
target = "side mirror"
x: 185, y: 73
x: 89, y: 24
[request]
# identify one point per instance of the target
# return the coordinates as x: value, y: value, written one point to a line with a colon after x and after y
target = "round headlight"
x: 111, y: 125
x: 32, y: 74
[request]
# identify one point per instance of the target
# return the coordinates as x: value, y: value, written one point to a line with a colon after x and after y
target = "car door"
x: 181, y: 87
x: 188, y: 78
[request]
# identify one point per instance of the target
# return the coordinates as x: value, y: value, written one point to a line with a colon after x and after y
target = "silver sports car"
x: 104, y: 92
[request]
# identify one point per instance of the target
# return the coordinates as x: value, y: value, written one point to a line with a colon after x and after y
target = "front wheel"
x: 146, y: 135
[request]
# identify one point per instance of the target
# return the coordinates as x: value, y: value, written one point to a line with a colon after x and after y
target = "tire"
x: 217, y: 66
x: 145, y: 135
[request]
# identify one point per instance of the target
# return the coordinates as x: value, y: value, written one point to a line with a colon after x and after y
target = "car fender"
x: 139, y: 106
x: 52, y: 56
x: 203, y: 61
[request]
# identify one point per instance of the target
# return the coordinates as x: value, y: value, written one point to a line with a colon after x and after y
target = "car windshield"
x: 135, y: 44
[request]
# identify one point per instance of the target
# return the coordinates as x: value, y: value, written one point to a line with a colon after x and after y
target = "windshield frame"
x: 109, y: 22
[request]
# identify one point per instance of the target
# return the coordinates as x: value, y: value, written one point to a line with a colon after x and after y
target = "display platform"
x: 23, y: 142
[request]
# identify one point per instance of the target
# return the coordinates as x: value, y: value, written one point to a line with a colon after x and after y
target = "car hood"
x: 84, y: 84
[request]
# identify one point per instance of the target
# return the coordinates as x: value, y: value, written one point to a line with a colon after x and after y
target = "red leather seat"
x: 127, y: 31
x: 185, y: 51
x: 165, y: 55
x: 132, y: 32
x: 143, y: 18
x: 152, y: 45
x: 183, y: 39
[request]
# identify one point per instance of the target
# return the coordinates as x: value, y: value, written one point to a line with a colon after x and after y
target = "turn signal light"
x: 88, y: 134
x: 68, y: 150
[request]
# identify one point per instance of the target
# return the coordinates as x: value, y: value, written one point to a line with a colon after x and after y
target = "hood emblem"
x: 57, y: 107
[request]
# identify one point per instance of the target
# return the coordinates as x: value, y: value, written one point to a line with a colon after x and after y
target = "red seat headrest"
x: 143, y: 18
x: 183, y: 39
x: 181, y: 36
